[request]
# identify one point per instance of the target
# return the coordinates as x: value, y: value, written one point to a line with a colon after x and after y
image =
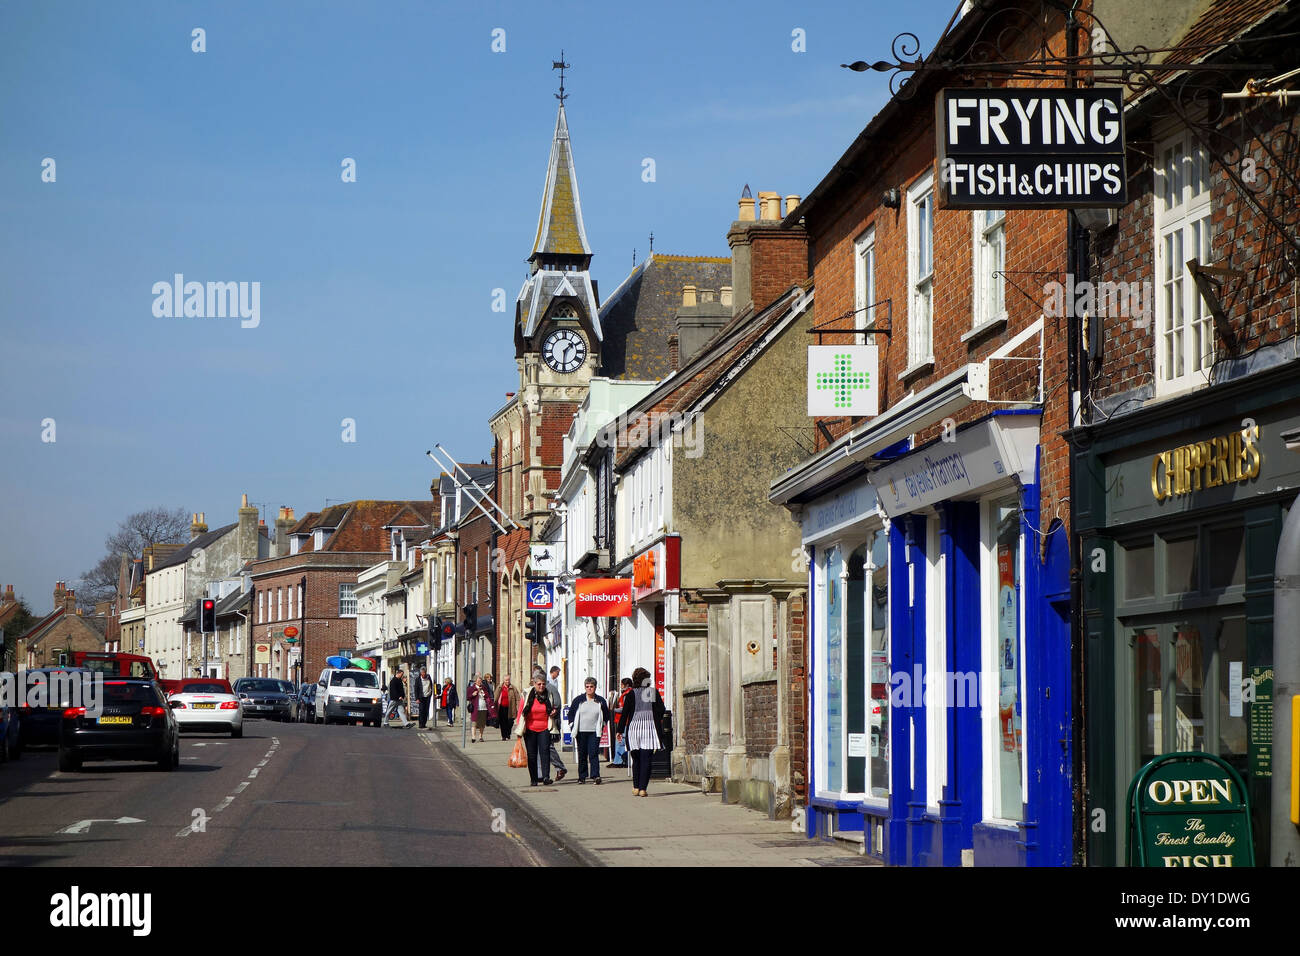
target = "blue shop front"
x: 939, y: 651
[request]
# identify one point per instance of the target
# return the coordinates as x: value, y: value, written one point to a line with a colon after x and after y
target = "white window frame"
x: 920, y: 334
x: 1184, y: 218
x: 348, y: 596
x: 864, y: 280
x: 990, y: 679
x: 988, y: 284
x: 261, y: 606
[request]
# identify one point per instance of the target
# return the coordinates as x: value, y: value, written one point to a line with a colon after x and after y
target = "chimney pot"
x: 724, y: 297
x: 791, y: 204
x: 244, y: 502
x: 688, y: 295
x: 746, y: 210
x: 769, y: 206
x: 707, y: 295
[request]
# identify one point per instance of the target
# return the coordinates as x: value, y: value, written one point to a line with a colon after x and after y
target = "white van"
x: 349, y: 695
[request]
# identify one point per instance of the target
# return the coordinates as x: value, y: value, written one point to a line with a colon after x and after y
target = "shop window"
x: 1232, y: 730
x: 1226, y: 557
x: 1140, y: 570
x: 1180, y: 565
x: 834, y: 668
x: 1149, y: 694
x: 878, y: 608
x: 1003, y: 591
x: 855, y: 672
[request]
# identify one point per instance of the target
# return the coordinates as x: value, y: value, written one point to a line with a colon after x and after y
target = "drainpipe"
x: 1285, y: 836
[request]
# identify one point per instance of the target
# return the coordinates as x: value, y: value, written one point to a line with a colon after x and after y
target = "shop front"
x: 644, y: 638
x: 1180, y: 512
x: 939, y: 652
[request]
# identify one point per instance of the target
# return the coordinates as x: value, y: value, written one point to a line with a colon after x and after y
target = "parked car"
x: 40, y: 724
x: 307, y: 704
x: 134, y: 723
x: 349, y: 695
x: 266, y: 697
x: 206, y: 703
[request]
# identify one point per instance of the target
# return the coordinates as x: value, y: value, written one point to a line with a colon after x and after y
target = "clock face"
x: 564, y: 350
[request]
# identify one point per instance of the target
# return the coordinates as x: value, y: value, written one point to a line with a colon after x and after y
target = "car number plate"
x: 115, y: 720
x: 205, y: 706
x: 356, y: 713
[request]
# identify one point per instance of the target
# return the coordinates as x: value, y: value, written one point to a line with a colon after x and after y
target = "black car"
x: 307, y: 704
x: 267, y: 697
x: 133, y: 723
x: 49, y: 688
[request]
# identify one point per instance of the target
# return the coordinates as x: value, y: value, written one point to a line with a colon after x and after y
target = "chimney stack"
x: 60, y: 595
x: 197, y: 526
x: 9, y: 596
x: 766, y: 257
x: 674, y: 355
x: 246, y: 534
x: 283, y: 522
x: 688, y: 295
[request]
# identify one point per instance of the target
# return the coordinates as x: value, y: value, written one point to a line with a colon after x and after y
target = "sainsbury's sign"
x: 1031, y: 148
x: 602, y: 597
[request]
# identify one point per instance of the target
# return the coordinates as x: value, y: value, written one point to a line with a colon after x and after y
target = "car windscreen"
x: 204, y: 689
x: 261, y: 686
x: 357, y: 678
x: 117, y: 694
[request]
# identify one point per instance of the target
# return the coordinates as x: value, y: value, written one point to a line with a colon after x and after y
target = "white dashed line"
x: 241, y: 786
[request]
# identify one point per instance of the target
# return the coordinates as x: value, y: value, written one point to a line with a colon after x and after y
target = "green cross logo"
x: 843, y: 381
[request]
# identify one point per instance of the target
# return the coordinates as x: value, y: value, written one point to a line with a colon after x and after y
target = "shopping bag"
x: 519, y: 756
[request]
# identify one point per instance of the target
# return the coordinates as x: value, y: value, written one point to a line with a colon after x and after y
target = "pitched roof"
x: 722, y: 358
x: 186, y: 551
x: 642, y: 312
x: 362, y: 525
x: 560, y: 230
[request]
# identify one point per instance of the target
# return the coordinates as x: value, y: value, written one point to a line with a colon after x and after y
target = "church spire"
x: 560, y: 230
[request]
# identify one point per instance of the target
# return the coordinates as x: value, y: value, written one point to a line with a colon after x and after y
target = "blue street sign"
x: 541, y: 595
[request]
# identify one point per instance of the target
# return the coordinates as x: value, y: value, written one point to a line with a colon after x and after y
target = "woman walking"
x: 620, y: 746
x: 642, y: 724
x: 507, y: 707
x: 537, y: 711
x: 481, y: 707
x: 449, y: 701
x: 589, y: 714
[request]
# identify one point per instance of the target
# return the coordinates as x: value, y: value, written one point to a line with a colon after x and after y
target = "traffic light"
x: 537, y: 628
x: 207, y: 616
x: 446, y: 632
x: 471, y: 618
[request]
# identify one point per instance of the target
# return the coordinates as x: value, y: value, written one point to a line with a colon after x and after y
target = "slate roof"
x: 186, y: 551
x: 546, y: 285
x: 642, y: 312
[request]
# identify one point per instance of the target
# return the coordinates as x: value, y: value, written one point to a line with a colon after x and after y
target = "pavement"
x: 676, y: 825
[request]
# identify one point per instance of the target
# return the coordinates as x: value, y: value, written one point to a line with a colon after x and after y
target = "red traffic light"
x: 208, y: 605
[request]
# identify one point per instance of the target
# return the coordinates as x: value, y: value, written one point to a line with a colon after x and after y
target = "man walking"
x: 424, y: 695
x: 554, y: 687
x: 397, y: 699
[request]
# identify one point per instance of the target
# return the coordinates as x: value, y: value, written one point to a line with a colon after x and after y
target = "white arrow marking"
x: 83, y: 825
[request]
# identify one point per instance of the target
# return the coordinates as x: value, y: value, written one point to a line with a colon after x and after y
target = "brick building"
x: 310, y: 583
x: 937, y: 530
x: 62, y: 631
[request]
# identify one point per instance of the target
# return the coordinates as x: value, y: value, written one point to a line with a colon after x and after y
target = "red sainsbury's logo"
x: 603, y: 597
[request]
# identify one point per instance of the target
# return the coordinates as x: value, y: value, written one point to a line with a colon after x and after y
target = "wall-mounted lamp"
x: 891, y: 198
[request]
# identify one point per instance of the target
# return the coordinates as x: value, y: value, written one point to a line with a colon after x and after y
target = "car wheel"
x: 69, y: 762
x: 237, y: 732
x: 173, y: 758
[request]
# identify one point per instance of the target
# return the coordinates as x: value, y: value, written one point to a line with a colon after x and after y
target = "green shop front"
x: 1179, y: 507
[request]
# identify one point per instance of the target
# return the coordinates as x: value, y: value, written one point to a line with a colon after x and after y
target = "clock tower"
x: 558, y: 340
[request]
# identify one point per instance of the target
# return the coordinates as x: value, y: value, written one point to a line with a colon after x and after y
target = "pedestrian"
x: 397, y: 699
x: 481, y: 707
x: 450, y: 701
x: 507, y: 707
x: 642, y: 725
x: 556, y: 761
x: 589, y: 713
x: 538, y: 709
x: 424, y: 695
x: 620, y: 747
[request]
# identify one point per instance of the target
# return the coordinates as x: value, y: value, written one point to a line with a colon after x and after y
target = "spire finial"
x: 652, y: 243
x: 561, y: 66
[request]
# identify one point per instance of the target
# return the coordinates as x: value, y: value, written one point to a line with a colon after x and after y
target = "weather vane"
x: 561, y: 66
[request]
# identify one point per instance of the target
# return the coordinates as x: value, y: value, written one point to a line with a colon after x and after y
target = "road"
x: 283, y: 795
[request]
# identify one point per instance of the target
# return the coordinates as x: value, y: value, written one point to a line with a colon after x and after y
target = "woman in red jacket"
x: 538, y: 709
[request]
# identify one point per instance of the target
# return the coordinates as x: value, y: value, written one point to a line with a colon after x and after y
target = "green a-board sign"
x: 1189, y: 810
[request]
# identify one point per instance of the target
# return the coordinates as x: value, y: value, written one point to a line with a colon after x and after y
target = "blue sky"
x: 375, y: 295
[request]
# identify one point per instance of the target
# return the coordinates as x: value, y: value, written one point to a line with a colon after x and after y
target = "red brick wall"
x: 778, y: 260
x: 760, y: 718
x: 694, y: 730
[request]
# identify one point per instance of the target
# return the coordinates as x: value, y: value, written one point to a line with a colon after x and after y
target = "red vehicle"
x: 117, y: 664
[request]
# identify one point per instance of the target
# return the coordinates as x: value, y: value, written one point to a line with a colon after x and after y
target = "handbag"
x: 519, y: 756
x: 520, y: 725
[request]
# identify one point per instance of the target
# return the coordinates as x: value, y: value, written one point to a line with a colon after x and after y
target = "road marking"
x: 240, y: 787
x: 82, y: 826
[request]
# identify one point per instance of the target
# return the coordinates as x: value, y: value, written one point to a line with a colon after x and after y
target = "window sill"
x: 919, y: 368
x: 986, y: 328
